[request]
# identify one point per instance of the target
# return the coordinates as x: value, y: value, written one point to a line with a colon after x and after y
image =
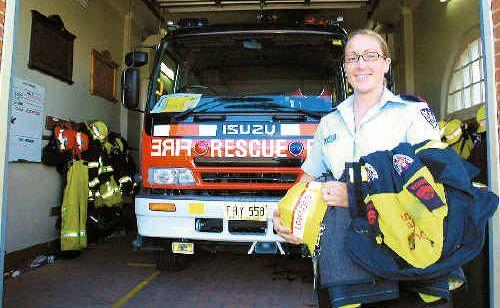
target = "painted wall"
x: 2, y: 20
x: 34, y: 188
x: 440, y: 29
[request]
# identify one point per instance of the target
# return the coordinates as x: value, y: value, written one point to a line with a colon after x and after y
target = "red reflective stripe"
x: 184, y: 130
x: 307, y: 129
x: 295, y: 207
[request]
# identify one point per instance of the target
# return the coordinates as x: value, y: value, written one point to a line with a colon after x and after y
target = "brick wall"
x: 496, y: 32
x: 2, y: 20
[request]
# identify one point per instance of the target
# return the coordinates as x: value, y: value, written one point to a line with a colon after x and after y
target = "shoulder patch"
x: 372, y: 174
x: 429, y: 116
x: 401, y: 163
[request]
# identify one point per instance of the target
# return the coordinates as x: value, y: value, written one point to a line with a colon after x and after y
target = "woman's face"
x: 365, y: 76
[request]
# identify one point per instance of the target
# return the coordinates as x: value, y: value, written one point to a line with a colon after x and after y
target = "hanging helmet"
x: 481, y: 119
x: 118, y: 145
x: 98, y: 130
x: 452, y: 131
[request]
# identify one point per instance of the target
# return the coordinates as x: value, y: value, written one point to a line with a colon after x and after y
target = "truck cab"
x: 230, y: 116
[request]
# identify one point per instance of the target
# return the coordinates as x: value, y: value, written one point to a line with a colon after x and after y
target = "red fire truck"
x: 230, y: 115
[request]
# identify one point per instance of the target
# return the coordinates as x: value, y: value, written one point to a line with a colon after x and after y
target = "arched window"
x: 466, y: 88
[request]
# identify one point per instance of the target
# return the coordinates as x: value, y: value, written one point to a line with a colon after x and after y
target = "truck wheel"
x: 166, y: 260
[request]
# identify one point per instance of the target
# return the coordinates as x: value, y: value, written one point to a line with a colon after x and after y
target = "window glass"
x: 466, y: 75
x: 476, y: 71
x: 476, y: 93
x: 458, y: 101
x: 466, y: 98
x: 474, y: 50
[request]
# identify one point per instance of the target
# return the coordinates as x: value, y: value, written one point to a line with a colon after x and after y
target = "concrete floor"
x: 105, y: 274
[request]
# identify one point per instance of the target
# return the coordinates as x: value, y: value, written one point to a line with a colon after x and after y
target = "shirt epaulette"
x: 412, y: 98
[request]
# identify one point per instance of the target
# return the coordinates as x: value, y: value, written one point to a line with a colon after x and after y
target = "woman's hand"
x: 283, y: 231
x: 335, y: 194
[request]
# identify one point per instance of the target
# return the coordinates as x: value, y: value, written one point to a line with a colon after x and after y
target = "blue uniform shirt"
x: 390, y: 122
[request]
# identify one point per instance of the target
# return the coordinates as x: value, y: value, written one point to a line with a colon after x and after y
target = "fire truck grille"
x: 231, y: 177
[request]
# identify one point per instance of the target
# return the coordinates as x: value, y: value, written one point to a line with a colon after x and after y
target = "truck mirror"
x: 130, y: 87
x: 136, y: 58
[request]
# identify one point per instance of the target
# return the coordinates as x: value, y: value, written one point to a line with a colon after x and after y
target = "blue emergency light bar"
x: 193, y: 22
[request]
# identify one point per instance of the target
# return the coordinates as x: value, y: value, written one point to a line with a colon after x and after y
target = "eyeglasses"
x: 369, y: 56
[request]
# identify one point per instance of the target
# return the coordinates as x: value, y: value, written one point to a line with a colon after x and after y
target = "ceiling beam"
x: 187, y: 6
x: 255, y: 7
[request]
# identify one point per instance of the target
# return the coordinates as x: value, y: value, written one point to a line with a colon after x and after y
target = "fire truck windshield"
x: 303, y: 64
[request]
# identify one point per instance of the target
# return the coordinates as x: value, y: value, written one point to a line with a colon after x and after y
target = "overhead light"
x: 167, y: 71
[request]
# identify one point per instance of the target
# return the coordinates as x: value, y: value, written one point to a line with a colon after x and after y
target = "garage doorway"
x: 428, y: 40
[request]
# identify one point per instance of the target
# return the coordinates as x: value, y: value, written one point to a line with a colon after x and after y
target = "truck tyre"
x: 166, y: 260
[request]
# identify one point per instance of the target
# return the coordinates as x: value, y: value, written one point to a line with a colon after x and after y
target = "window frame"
x: 465, y: 112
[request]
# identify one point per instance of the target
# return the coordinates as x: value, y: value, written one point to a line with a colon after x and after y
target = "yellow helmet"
x: 98, y: 130
x: 452, y: 131
x: 481, y: 119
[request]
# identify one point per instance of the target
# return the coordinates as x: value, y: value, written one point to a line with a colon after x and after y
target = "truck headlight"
x: 170, y: 176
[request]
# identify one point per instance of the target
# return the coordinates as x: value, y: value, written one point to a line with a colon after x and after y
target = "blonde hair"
x: 382, y: 43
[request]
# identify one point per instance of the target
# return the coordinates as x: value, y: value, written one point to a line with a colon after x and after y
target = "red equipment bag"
x: 69, y: 139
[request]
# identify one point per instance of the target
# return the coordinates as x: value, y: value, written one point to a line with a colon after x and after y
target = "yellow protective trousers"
x: 74, y: 207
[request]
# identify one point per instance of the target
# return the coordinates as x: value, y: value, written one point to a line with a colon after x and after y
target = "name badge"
x: 330, y: 139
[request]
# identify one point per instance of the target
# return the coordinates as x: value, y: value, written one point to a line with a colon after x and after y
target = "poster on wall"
x: 26, y: 121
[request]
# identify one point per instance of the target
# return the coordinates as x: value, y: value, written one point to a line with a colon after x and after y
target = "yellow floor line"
x: 141, y: 264
x: 136, y: 289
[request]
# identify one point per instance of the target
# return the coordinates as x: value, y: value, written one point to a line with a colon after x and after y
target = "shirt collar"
x: 387, y: 96
x: 346, y: 107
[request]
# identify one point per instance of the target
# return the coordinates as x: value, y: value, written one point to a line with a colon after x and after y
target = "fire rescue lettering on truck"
x: 223, y: 148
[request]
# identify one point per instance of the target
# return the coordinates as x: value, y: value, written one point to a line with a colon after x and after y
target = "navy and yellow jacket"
x: 415, y: 213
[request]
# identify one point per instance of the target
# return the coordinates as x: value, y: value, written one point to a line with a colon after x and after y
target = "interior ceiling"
x: 355, y: 13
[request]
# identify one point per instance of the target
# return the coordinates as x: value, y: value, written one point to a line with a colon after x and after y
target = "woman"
x: 370, y: 120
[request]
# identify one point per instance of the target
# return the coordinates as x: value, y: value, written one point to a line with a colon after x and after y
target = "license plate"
x: 246, y: 212
x: 183, y: 248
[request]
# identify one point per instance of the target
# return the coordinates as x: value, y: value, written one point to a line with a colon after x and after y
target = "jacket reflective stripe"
x: 105, y: 169
x: 74, y: 234
x: 60, y: 137
x: 70, y: 234
x: 110, y: 193
x: 79, y: 140
x: 125, y: 179
x: 94, y: 182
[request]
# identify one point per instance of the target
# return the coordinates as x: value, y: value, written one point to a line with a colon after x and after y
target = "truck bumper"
x: 191, y: 211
